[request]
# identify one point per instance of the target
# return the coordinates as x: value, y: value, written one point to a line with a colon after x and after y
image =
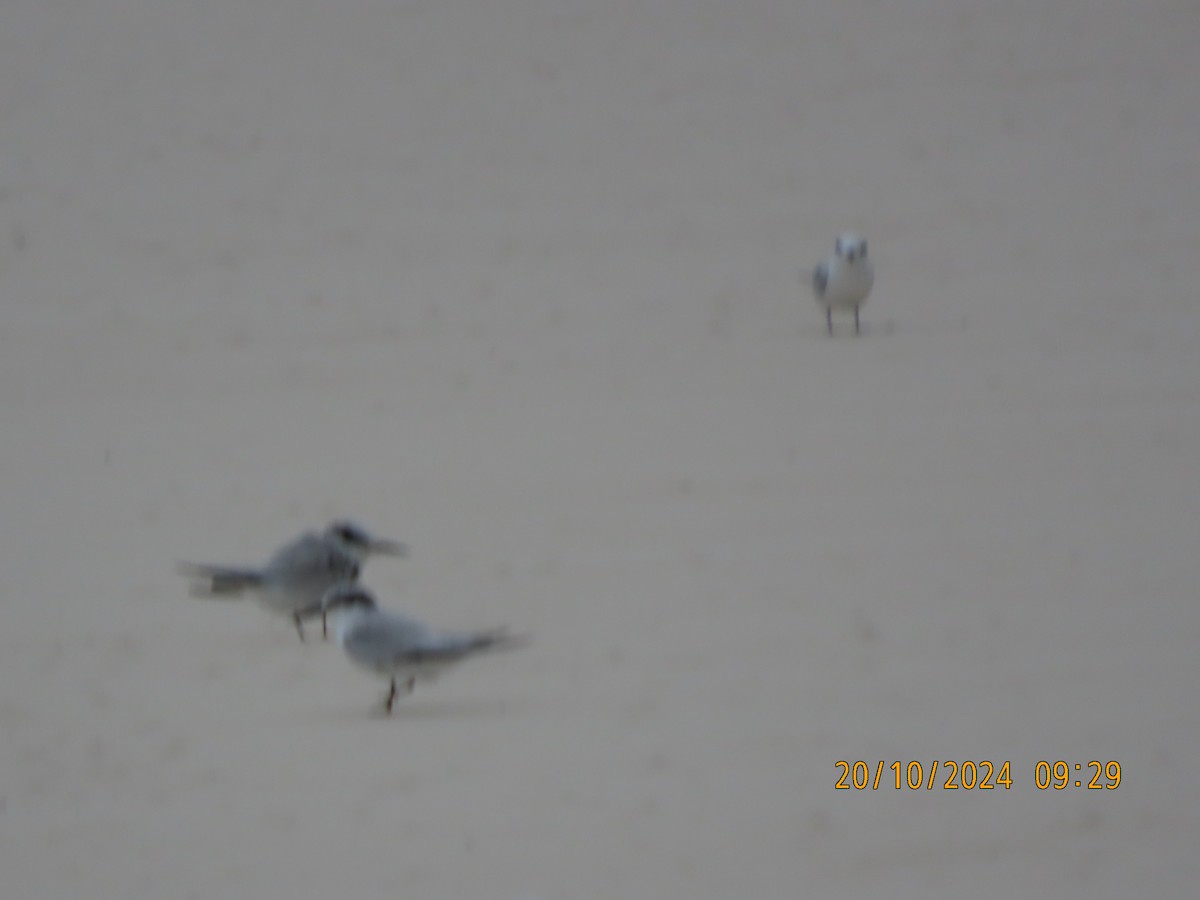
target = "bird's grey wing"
x: 820, y: 279
x: 449, y: 646
x: 312, y: 559
x: 389, y: 639
x: 386, y: 639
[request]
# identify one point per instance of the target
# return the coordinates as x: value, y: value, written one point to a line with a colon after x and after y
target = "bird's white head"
x: 360, y: 543
x: 851, y: 246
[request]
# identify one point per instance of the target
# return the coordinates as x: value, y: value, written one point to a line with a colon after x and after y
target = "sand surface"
x: 524, y: 284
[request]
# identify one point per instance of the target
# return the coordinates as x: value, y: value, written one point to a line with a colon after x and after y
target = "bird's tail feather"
x: 219, y: 581
x: 497, y: 639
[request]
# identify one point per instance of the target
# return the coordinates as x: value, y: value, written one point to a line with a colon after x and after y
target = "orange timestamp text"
x: 971, y: 775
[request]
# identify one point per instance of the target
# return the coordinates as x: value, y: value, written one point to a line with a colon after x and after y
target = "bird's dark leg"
x: 324, y: 625
x: 391, y: 697
x: 856, y: 319
x: 829, y: 319
x: 299, y: 627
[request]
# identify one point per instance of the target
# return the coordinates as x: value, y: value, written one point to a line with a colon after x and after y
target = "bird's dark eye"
x: 349, y: 534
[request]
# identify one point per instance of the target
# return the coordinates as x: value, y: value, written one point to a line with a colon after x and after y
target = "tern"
x: 296, y: 577
x: 401, y: 649
x: 844, y: 280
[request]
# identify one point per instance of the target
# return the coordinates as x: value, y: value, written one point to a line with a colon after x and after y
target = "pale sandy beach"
x: 524, y: 284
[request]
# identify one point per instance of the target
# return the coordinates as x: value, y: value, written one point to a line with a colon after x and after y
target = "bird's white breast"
x: 849, y: 283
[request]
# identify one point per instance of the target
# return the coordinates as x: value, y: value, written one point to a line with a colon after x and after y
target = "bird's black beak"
x: 386, y: 547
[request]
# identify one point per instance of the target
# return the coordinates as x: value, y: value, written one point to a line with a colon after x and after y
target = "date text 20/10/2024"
x: 981, y: 775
